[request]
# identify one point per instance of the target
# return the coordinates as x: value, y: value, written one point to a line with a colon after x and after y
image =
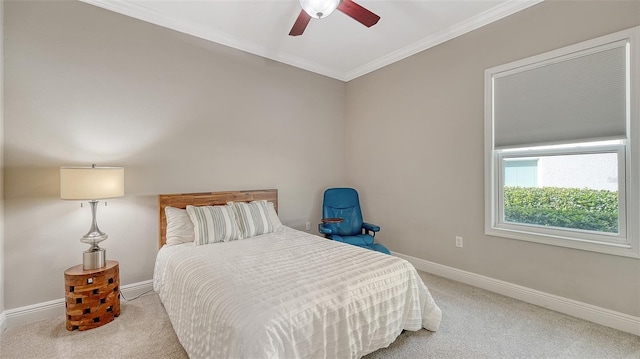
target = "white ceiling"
x: 336, y: 46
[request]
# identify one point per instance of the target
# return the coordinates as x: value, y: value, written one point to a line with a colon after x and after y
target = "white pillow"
x: 179, y: 226
x: 252, y: 218
x: 213, y: 224
x: 273, y: 216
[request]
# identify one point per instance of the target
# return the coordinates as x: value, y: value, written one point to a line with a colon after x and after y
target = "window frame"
x: 618, y: 239
x: 627, y: 241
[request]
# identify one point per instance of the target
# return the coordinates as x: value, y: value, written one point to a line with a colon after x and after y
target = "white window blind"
x: 572, y: 99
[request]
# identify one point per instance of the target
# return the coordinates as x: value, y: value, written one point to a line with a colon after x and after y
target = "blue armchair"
x: 342, y: 220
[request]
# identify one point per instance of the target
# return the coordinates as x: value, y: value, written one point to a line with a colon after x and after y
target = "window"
x: 577, y: 193
x: 561, y: 138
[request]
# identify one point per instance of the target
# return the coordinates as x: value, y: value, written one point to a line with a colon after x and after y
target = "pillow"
x: 179, y: 226
x: 253, y: 218
x: 273, y: 216
x: 213, y: 224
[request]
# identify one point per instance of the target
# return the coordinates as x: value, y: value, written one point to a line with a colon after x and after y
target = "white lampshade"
x: 91, y: 183
x: 319, y: 8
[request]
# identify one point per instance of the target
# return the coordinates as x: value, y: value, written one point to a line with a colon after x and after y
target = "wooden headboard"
x: 209, y: 199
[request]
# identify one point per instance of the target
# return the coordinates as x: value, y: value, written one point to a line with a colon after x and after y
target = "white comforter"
x: 289, y: 294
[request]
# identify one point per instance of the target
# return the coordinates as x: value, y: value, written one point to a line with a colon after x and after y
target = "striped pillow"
x: 213, y: 224
x: 253, y: 218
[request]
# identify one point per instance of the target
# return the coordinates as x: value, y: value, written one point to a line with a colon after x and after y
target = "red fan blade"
x: 358, y: 13
x: 301, y: 23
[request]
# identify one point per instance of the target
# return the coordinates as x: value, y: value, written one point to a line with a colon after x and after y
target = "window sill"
x: 623, y: 250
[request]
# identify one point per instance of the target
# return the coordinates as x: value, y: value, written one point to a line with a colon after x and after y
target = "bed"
x: 285, y: 293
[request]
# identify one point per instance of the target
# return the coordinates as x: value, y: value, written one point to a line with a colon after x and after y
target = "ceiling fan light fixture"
x: 319, y: 8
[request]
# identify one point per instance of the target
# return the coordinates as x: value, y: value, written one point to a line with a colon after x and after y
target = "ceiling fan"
x: 322, y: 8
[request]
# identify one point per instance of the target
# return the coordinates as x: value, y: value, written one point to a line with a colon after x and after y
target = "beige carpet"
x: 476, y: 324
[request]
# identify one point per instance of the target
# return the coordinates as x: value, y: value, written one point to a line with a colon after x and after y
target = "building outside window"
x: 521, y: 173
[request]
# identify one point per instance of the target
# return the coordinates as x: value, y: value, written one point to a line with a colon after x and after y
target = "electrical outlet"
x: 308, y: 226
x: 458, y: 241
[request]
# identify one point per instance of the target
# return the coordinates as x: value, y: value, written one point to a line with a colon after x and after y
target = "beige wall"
x: 415, y: 150
x: 1, y: 157
x: 85, y: 85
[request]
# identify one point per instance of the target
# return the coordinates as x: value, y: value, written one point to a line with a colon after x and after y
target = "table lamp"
x: 92, y: 184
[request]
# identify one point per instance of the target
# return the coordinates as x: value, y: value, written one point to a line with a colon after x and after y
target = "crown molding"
x: 143, y: 13
x: 494, y: 14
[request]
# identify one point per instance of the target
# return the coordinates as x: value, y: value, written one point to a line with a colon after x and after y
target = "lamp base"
x: 94, y: 258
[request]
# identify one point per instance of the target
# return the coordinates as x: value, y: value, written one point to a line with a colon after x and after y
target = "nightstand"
x: 92, y: 297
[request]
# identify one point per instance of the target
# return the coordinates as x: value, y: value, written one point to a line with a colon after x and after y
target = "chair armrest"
x: 370, y: 227
x: 324, y: 229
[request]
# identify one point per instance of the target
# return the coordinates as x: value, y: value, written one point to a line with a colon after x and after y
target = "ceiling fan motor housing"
x: 319, y: 8
x: 323, y: 8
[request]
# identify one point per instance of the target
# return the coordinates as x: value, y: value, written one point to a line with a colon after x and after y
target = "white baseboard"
x: 624, y: 322
x: 610, y: 318
x: 3, y: 321
x: 35, y: 312
x: 131, y: 291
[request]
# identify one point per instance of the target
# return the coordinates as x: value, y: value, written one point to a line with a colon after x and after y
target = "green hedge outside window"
x: 587, y: 209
